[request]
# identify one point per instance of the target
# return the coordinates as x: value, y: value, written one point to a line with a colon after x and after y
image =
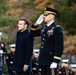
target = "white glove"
x: 53, y: 65
x: 1, y: 51
x: 2, y: 45
x: 40, y: 19
x: 0, y: 33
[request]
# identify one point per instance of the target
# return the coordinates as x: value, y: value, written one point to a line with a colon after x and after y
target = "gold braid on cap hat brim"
x: 49, y: 12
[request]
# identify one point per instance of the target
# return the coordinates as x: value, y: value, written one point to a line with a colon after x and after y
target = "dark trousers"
x: 22, y: 73
x: 45, y: 70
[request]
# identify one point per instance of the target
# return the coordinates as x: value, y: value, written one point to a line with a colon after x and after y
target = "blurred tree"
x: 31, y: 9
x: 71, y: 2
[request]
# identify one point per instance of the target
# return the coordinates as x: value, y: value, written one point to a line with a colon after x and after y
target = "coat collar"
x: 49, y: 24
x: 53, y: 25
x: 25, y: 31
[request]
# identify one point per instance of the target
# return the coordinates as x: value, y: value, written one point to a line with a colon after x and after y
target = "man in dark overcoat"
x: 24, y: 48
x: 51, y: 41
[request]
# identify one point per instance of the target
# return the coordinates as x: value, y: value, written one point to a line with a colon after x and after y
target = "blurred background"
x: 12, y: 10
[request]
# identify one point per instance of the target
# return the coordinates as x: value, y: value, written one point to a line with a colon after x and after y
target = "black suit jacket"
x: 51, y: 43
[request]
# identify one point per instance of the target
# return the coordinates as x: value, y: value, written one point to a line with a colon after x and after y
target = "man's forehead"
x: 21, y: 21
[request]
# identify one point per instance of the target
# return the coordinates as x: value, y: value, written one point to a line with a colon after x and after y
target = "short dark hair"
x: 26, y: 20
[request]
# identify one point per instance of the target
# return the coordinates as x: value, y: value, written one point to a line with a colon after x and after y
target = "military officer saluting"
x: 9, y: 59
x: 51, y: 41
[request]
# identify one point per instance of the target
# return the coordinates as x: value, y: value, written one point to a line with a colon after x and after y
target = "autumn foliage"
x: 70, y: 44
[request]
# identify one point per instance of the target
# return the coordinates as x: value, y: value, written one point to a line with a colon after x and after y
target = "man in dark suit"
x: 51, y: 42
x: 24, y: 48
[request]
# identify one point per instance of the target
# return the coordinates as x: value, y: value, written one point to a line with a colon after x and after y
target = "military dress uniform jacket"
x: 35, y: 66
x: 51, y: 43
x: 9, y: 61
x: 23, y: 51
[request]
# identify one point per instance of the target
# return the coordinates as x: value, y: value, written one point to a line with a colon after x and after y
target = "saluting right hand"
x: 39, y: 20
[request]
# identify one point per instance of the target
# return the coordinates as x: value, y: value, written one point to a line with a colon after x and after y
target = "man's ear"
x: 26, y: 25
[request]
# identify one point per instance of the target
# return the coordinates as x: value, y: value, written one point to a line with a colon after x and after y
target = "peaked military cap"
x: 36, y: 50
x: 65, y: 60
x: 50, y: 11
x: 73, y: 65
x: 12, y: 45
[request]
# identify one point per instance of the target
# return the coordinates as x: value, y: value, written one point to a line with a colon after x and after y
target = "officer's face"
x: 64, y: 65
x: 36, y: 55
x: 73, y: 70
x: 22, y: 25
x: 13, y: 50
x: 48, y: 18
